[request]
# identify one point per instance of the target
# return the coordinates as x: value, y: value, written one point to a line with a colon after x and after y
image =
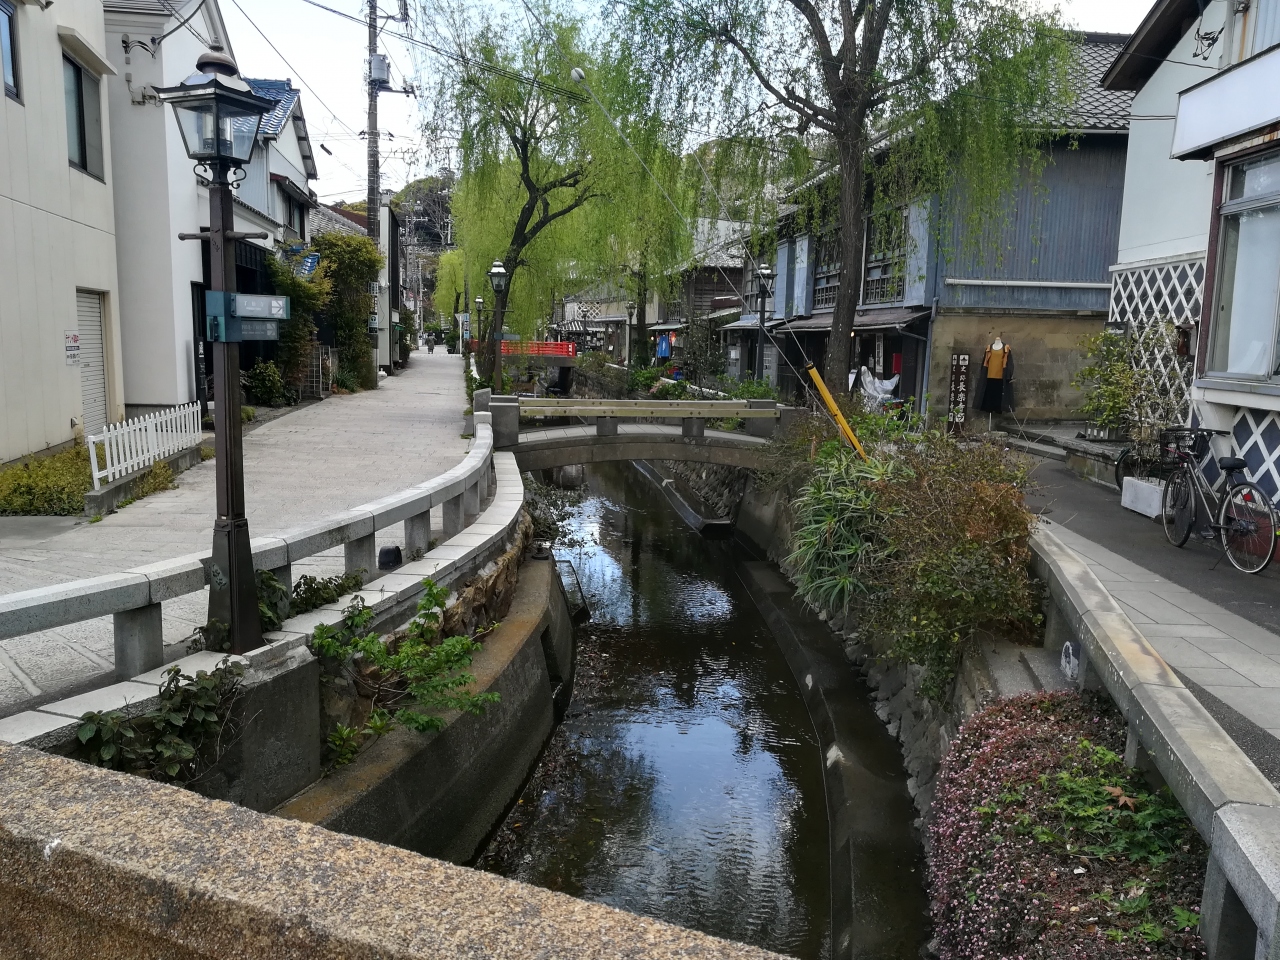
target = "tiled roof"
x: 284, y: 94
x: 1097, y: 108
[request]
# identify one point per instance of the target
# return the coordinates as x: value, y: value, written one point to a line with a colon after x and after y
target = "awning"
x: 887, y: 318
x: 808, y: 324
x: 568, y: 325
x: 750, y: 323
x: 664, y: 327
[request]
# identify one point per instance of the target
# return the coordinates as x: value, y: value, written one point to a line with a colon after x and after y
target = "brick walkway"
x: 316, y: 461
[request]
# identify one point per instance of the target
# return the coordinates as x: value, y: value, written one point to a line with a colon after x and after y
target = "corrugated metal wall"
x: 1063, y: 227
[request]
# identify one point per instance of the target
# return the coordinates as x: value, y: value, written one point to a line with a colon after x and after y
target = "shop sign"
x: 958, y: 392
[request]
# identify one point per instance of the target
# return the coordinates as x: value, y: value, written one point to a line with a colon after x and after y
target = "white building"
x: 386, y: 347
x: 58, y: 272
x: 158, y: 194
x: 1200, y: 234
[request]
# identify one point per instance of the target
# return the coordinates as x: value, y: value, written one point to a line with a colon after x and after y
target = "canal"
x: 686, y: 781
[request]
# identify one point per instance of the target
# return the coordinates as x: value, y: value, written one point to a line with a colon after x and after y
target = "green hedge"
x: 47, y: 486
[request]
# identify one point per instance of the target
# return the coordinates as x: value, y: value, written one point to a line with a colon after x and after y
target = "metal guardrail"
x: 136, y: 444
x: 134, y: 597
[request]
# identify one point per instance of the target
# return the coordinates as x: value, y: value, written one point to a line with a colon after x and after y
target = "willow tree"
x: 567, y: 177
x: 905, y: 98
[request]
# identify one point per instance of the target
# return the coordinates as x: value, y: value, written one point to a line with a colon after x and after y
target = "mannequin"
x: 997, y: 364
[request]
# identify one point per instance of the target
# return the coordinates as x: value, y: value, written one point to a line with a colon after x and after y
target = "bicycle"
x: 1246, y: 521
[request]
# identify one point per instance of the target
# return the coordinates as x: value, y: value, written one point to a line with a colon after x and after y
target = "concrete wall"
x: 57, y: 235
x: 442, y: 793
x: 1046, y: 357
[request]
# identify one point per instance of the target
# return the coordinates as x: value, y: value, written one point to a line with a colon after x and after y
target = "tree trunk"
x: 640, y: 358
x: 852, y: 229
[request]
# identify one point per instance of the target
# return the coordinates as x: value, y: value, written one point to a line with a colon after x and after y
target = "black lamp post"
x: 218, y: 116
x: 497, y: 280
x: 763, y: 275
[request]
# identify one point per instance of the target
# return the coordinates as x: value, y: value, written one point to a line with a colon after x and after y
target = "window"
x: 1248, y: 289
x: 84, y: 119
x: 9, y: 47
x: 886, y: 258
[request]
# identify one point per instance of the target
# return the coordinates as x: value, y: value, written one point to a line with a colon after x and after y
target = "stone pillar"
x: 417, y: 535
x: 139, y: 641
x: 453, y: 517
x: 1229, y: 932
x: 471, y: 503
x: 362, y: 554
x: 506, y: 422
x: 480, y: 399
x: 693, y: 427
x: 285, y: 576
x: 484, y: 485
x: 761, y: 427
x: 606, y: 426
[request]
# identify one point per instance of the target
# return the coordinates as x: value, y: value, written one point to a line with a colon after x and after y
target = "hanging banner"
x: 958, y: 392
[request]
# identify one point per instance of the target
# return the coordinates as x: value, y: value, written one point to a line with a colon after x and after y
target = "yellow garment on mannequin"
x: 994, y: 361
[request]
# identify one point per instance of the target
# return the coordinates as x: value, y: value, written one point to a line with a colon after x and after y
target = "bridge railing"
x: 134, y: 597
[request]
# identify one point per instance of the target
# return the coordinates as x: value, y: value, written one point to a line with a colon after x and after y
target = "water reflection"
x: 685, y: 784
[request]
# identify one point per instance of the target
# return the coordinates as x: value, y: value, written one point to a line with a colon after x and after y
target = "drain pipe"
x: 928, y: 357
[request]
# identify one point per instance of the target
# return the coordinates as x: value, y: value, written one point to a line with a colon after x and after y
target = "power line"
x: 465, y: 60
x: 294, y: 69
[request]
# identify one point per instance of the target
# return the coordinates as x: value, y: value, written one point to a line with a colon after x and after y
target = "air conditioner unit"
x: 373, y: 323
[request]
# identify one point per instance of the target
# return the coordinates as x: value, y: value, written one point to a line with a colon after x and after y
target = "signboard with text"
x: 958, y: 392
x: 71, y: 347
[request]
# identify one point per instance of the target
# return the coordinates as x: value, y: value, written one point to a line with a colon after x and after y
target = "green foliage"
x: 273, y: 600
x: 644, y: 379
x: 247, y: 414
x: 266, y: 385
x: 416, y: 673
x: 176, y: 741
x: 675, y: 390
x: 408, y: 338
x: 346, y: 381
x: 926, y: 542
x: 54, y: 485
x: 350, y: 263
x: 310, y: 593
x: 155, y: 480
x: 344, y: 741
x: 1123, y: 391
x: 307, y: 298
x: 206, y: 453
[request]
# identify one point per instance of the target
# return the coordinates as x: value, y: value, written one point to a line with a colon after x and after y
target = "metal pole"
x: 233, y: 590
x: 497, y: 343
x: 764, y: 293
x: 371, y: 128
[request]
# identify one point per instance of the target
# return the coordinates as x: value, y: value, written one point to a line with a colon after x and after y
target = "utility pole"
x: 371, y: 126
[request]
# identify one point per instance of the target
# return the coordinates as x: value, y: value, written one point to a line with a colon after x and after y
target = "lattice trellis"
x: 1146, y: 298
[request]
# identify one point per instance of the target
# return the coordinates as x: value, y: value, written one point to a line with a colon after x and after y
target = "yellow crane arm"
x: 834, y: 410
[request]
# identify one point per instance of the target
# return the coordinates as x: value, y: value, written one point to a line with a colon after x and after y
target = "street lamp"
x: 763, y: 275
x: 218, y: 116
x: 498, y: 280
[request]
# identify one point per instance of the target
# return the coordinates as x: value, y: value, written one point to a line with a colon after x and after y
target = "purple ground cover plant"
x: 1043, y: 845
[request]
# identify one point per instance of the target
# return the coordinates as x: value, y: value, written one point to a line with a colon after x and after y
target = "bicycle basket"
x: 1183, y: 441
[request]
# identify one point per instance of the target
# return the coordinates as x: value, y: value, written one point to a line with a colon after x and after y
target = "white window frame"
x: 9, y: 57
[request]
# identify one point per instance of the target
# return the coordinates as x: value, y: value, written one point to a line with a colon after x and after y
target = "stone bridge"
x: 650, y: 430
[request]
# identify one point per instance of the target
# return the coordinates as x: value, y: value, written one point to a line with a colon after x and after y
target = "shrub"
x: 1045, y: 845
x: 1123, y: 391
x: 177, y: 740
x: 414, y: 675
x: 926, y: 542
x: 158, y: 478
x: 643, y: 380
x: 676, y: 390
x: 248, y: 414
x: 266, y: 384
x: 47, y: 486
x: 345, y: 381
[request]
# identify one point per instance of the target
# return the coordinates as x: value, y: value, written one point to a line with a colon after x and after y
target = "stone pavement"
x: 311, y: 463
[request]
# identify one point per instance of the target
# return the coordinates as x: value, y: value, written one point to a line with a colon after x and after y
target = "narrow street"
x: 308, y: 464
x: 1217, y: 627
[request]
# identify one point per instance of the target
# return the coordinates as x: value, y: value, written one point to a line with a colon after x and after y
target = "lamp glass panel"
x: 238, y: 129
x: 197, y: 123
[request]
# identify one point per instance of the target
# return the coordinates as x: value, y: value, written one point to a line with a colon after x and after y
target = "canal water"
x: 685, y: 782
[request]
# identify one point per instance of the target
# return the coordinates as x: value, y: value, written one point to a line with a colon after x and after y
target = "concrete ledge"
x: 43, y: 608
x: 85, y: 875
x: 178, y: 577
x: 1246, y: 844
x: 104, y: 500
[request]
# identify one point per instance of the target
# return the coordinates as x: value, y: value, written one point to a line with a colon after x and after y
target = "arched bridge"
x: 633, y: 430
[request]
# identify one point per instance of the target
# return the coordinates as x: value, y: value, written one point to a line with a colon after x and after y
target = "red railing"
x: 534, y: 348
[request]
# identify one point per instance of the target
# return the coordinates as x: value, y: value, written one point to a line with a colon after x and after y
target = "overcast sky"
x: 324, y: 55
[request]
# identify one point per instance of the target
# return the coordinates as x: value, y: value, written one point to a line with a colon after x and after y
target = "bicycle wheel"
x: 1247, y: 524
x: 1125, y: 464
x: 1178, y: 507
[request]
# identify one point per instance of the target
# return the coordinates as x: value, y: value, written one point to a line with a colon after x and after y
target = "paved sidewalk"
x: 316, y: 461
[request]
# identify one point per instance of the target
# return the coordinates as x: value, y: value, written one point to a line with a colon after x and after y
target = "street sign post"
x: 233, y: 317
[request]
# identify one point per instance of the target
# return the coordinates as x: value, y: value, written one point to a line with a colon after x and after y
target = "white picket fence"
x: 136, y: 444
